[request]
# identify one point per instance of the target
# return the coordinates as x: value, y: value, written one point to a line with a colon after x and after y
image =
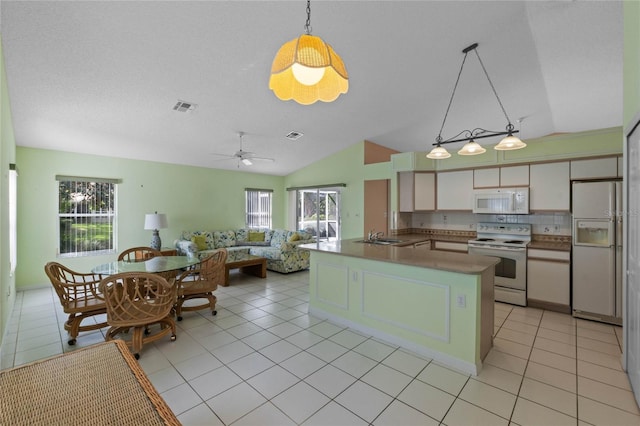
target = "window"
x: 258, y: 208
x: 87, y: 215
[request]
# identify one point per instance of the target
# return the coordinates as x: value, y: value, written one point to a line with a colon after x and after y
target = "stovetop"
x: 502, y: 234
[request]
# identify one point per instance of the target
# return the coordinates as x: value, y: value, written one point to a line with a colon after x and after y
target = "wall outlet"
x: 461, y: 301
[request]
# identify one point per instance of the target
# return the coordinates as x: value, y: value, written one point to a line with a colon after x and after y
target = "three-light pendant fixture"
x: 306, y: 69
x: 510, y: 142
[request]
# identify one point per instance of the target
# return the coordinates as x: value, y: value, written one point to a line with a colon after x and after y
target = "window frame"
x: 264, y: 213
x: 81, y: 246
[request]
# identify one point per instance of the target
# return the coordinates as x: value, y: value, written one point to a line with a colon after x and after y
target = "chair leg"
x: 137, y: 341
x: 212, y: 303
x: 178, y: 308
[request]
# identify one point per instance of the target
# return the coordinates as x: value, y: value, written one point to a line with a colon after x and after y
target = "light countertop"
x: 423, y: 258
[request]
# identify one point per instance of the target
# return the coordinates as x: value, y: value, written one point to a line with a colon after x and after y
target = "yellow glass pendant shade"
x: 306, y: 69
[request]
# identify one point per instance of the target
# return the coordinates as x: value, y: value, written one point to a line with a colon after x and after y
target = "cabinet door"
x: 514, y: 176
x: 596, y: 168
x: 424, y: 191
x: 405, y: 191
x: 486, y: 178
x: 450, y: 246
x: 549, y: 186
x: 620, y: 166
x: 548, y: 281
x: 455, y: 190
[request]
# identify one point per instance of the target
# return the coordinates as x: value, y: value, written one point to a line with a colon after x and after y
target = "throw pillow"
x: 294, y: 237
x: 256, y: 236
x: 200, y: 241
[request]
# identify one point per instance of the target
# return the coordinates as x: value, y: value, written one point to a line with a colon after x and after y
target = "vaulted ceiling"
x: 102, y: 77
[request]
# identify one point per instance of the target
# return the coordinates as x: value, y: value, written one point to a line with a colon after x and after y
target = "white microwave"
x: 501, y: 201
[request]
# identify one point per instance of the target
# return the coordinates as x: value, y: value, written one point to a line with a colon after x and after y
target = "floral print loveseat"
x: 278, y: 246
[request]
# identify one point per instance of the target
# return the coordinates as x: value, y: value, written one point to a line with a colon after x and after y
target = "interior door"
x: 376, y: 206
x: 632, y: 260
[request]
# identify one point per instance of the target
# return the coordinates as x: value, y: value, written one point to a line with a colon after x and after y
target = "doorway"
x: 376, y: 206
x: 318, y: 212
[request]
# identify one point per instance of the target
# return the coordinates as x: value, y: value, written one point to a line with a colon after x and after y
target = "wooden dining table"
x: 157, y: 264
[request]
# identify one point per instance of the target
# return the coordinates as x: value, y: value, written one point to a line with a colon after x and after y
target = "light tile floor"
x: 264, y: 361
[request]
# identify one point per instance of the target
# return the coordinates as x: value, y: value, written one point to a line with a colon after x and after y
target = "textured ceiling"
x: 101, y: 77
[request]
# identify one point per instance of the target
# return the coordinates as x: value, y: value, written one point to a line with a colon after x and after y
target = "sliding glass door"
x: 318, y: 212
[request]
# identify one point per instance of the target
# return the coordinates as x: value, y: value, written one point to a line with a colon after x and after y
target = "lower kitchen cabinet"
x: 549, y: 280
x: 450, y: 246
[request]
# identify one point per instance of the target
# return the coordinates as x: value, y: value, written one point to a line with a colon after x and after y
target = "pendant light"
x: 510, y: 142
x: 306, y: 69
x: 472, y: 148
x: 438, y: 153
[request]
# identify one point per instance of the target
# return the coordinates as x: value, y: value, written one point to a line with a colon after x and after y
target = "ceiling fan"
x: 245, y: 157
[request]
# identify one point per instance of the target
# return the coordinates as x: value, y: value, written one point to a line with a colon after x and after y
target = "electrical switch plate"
x: 461, y: 300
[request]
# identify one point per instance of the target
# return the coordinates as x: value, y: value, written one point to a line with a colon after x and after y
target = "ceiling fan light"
x: 246, y: 162
x: 472, y: 148
x: 438, y: 153
x: 306, y: 69
x: 510, y: 143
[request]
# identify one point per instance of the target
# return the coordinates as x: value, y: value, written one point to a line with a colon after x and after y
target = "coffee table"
x: 247, y: 263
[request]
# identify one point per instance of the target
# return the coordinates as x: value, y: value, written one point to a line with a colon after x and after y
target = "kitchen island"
x: 438, y: 304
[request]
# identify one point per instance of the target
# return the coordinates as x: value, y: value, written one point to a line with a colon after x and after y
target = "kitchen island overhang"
x: 437, y: 304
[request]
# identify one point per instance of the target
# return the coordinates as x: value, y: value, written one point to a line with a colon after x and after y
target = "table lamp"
x: 155, y: 221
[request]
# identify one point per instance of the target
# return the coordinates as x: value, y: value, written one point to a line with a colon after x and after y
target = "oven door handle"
x: 511, y: 249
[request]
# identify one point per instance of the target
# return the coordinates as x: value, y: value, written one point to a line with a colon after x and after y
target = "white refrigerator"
x: 597, y: 250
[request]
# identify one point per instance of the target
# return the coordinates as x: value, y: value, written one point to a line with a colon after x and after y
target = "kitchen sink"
x: 381, y: 241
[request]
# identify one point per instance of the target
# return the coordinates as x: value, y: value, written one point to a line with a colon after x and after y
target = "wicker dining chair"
x: 79, y: 297
x: 138, y: 300
x: 138, y: 254
x: 200, y: 282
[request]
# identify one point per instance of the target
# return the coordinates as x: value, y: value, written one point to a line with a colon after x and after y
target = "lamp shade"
x: 306, y: 69
x: 438, y: 153
x: 510, y: 143
x: 472, y: 148
x: 155, y: 221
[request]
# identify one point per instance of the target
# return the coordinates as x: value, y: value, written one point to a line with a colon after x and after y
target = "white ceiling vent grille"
x: 182, y: 106
x: 292, y: 136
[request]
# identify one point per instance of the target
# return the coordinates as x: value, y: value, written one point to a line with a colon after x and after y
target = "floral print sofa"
x: 278, y: 246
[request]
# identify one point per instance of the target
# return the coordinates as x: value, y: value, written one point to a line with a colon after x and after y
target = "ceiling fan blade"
x: 222, y: 155
x: 262, y: 159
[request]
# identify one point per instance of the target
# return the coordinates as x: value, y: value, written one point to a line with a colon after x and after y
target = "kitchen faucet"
x: 374, y: 235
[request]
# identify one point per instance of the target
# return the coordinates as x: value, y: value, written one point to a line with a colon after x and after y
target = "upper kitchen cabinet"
x: 486, y: 178
x: 620, y: 166
x: 424, y: 191
x: 455, y: 190
x: 594, y: 168
x: 417, y: 191
x: 405, y: 191
x: 549, y: 185
x: 514, y: 176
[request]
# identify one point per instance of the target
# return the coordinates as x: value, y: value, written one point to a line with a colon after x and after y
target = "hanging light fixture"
x: 306, y: 69
x: 510, y: 142
x: 472, y: 148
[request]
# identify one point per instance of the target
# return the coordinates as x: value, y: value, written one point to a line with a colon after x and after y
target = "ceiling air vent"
x: 292, y: 136
x: 182, y: 106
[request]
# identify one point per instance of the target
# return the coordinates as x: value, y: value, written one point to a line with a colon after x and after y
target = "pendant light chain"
x: 307, y: 26
x: 439, y: 138
x: 509, y: 125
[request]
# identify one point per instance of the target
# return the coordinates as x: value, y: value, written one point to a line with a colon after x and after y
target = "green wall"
x: 192, y: 197
x: 7, y: 156
x: 631, y: 60
x: 346, y: 166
